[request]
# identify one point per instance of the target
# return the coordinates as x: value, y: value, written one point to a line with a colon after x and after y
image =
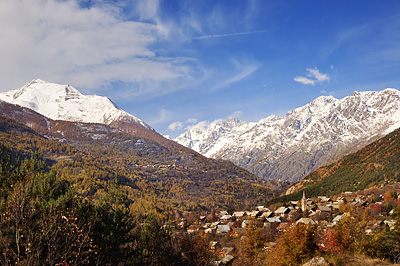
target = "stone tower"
x: 304, y: 202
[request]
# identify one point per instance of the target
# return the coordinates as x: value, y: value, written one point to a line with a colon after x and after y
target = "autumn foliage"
x: 294, y: 246
x: 331, y: 242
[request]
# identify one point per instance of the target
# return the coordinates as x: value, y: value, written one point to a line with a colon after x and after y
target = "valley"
x: 119, y: 190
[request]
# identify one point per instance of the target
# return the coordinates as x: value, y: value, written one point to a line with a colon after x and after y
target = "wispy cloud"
x: 128, y: 47
x: 202, y: 124
x: 378, y: 50
x: 237, y: 114
x: 87, y: 47
x: 314, y: 73
x: 191, y: 120
x: 178, y: 125
x: 175, y: 126
x: 242, y: 73
x: 304, y: 80
x: 229, y: 34
x: 331, y: 93
x: 163, y: 116
x: 313, y: 76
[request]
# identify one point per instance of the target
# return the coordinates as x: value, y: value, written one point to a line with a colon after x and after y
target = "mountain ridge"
x: 290, y: 147
x: 64, y: 102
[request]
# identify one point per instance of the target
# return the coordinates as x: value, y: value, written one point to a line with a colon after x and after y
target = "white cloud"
x: 191, y: 120
x: 202, y: 124
x: 61, y: 42
x: 304, y: 80
x: 314, y: 73
x: 128, y: 43
x: 313, y: 76
x: 236, y: 114
x: 189, y: 123
x: 175, y: 126
x: 148, y: 9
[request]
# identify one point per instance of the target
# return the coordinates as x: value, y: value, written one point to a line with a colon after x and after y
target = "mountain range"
x: 157, y: 173
x: 275, y: 148
x: 290, y: 147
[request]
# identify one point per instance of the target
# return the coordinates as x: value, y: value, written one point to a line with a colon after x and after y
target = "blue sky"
x: 177, y: 63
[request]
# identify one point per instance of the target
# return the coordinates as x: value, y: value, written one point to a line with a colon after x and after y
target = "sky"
x: 178, y: 63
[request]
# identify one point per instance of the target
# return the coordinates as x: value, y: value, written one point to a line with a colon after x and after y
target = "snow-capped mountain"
x: 290, y: 147
x: 63, y: 102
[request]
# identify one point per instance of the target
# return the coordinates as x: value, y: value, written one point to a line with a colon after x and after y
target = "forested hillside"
x: 45, y: 221
x: 374, y: 165
x: 154, y: 178
x: 103, y: 202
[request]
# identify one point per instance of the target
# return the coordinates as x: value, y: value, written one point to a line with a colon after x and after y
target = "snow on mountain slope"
x: 63, y: 102
x: 290, y: 147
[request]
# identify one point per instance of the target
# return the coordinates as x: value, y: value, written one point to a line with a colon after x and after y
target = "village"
x: 224, y: 229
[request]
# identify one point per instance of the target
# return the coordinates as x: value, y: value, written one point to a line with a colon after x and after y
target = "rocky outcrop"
x: 317, y: 261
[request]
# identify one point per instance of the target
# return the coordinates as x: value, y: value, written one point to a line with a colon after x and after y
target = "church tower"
x: 304, y: 203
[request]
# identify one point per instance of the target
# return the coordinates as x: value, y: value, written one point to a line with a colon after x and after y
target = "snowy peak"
x: 64, y: 102
x: 290, y: 147
x: 42, y: 88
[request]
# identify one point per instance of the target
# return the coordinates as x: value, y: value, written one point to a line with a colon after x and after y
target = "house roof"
x: 359, y: 203
x: 266, y: 214
x: 274, y: 220
x: 324, y: 208
x: 305, y: 221
x: 226, y: 217
x: 281, y: 210
x: 227, y: 259
x: 215, y: 223
x: 239, y: 214
x: 335, y: 205
x: 228, y: 250
x: 339, y: 217
x: 214, y: 244
x: 254, y: 213
x: 324, y: 198
x: 223, y: 228
x: 262, y: 208
x: 209, y: 230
